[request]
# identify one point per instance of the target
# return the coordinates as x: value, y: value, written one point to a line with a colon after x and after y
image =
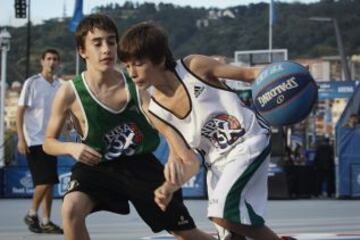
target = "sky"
x: 46, y: 9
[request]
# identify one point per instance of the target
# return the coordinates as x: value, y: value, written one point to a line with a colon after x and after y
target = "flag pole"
x: 77, y: 16
x: 271, y: 19
x: 270, y: 24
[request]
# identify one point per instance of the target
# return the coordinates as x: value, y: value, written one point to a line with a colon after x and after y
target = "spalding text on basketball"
x: 278, y: 90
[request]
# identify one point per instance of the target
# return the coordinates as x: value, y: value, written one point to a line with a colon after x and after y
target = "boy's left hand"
x: 164, y: 194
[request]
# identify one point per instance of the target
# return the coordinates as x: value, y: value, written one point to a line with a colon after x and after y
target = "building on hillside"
x: 11, y: 99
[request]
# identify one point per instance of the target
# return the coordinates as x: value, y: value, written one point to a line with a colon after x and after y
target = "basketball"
x: 284, y: 93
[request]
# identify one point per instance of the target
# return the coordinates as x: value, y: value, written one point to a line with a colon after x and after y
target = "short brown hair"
x: 50, y: 50
x: 146, y: 41
x: 89, y: 23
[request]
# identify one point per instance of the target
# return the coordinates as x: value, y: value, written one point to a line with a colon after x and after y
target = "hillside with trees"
x: 205, y: 31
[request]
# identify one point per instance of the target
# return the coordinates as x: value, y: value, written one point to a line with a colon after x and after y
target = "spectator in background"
x: 352, y: 121
x: 325, y: 168
x: 298, y: 157
x: 32, y: 118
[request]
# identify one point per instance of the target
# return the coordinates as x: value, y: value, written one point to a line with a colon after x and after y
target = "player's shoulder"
x: 197, y: 61
x: 66, y: 90
x: 192, y: 59
x: 31, y: 80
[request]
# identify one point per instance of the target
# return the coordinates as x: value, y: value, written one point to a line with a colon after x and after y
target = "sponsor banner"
x: 336, y: 89
x: 18, y: 182
x: 64, y: 180
x: 195, y: 187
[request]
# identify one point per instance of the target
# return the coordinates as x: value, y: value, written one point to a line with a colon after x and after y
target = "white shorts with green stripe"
x: 237, y: 184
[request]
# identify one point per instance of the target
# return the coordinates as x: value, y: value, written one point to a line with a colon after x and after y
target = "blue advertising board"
x: 18, y: 182
x: 336, y: 89
x: 196, y: 186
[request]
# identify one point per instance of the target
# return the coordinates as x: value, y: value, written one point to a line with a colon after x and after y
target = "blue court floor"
x: 304, y: 219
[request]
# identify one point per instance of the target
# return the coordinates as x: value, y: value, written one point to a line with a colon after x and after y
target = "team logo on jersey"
x: 223, y: 130
x: 198, y: 90
x: 122, y: 140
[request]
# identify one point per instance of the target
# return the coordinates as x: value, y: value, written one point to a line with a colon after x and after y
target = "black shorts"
x: 113, y: 183
x: 43, y: 167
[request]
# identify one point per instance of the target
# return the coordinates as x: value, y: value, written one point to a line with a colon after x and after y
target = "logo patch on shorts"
x: 72, y: 185
x: 182, y: 221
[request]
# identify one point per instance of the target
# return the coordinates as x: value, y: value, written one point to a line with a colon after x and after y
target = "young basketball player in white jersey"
x: 115, y: 164
x: 194, y: 110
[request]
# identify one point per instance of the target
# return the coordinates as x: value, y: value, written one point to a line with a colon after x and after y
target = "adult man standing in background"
x: 32, y: 118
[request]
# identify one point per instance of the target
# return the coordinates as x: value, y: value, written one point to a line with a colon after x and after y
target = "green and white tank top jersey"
x: 217, y: 119
x: 115, y: 133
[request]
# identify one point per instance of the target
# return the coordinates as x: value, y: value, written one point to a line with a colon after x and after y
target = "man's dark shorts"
x: 43, y: 167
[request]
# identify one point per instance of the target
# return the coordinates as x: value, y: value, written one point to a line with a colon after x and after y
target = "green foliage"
x: 224, y: 35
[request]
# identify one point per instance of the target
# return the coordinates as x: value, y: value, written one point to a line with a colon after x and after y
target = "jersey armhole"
x: 78, y: 99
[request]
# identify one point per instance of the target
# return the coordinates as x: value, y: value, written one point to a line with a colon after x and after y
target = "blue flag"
x: 78, y: 15
x: 272, y: 12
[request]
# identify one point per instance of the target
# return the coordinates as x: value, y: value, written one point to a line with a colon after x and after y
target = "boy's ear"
x: 82, y: 53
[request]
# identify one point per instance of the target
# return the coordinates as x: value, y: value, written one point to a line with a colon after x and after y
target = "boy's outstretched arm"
x: 210, y: 69
x: 60, y: 108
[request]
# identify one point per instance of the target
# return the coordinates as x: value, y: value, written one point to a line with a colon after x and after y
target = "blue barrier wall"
x: 348, y: 150
x: 348, y: 154
x: 17, y: 180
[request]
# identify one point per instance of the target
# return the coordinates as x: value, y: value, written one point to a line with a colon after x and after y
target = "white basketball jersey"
x: 217, y: 121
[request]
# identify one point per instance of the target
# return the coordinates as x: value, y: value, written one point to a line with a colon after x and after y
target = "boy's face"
x: 50, y: 62
x: 100, y: 50
x: 143, y: 72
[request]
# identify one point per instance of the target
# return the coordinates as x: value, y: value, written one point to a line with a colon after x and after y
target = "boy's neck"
x: 102, y: 79
x: 98, y: 76
x: 168, y: 83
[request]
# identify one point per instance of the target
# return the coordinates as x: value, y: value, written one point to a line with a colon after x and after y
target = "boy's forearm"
x: 19, y: 125
x: 55, y: 147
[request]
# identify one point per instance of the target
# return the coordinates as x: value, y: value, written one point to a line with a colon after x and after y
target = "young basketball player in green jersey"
x: 115, y: 164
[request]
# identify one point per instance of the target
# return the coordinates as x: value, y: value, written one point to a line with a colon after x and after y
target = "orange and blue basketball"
x: 284, y: 93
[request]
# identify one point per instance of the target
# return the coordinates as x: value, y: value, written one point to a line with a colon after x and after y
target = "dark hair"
x: 146, y: 41
x: 50, y: 50
x: 89, y: 23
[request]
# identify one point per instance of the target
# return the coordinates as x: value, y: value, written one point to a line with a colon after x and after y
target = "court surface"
x: 304, y: 219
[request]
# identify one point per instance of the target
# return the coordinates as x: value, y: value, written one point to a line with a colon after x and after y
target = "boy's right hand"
x: 85, y: 154
x: 22, y: 147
